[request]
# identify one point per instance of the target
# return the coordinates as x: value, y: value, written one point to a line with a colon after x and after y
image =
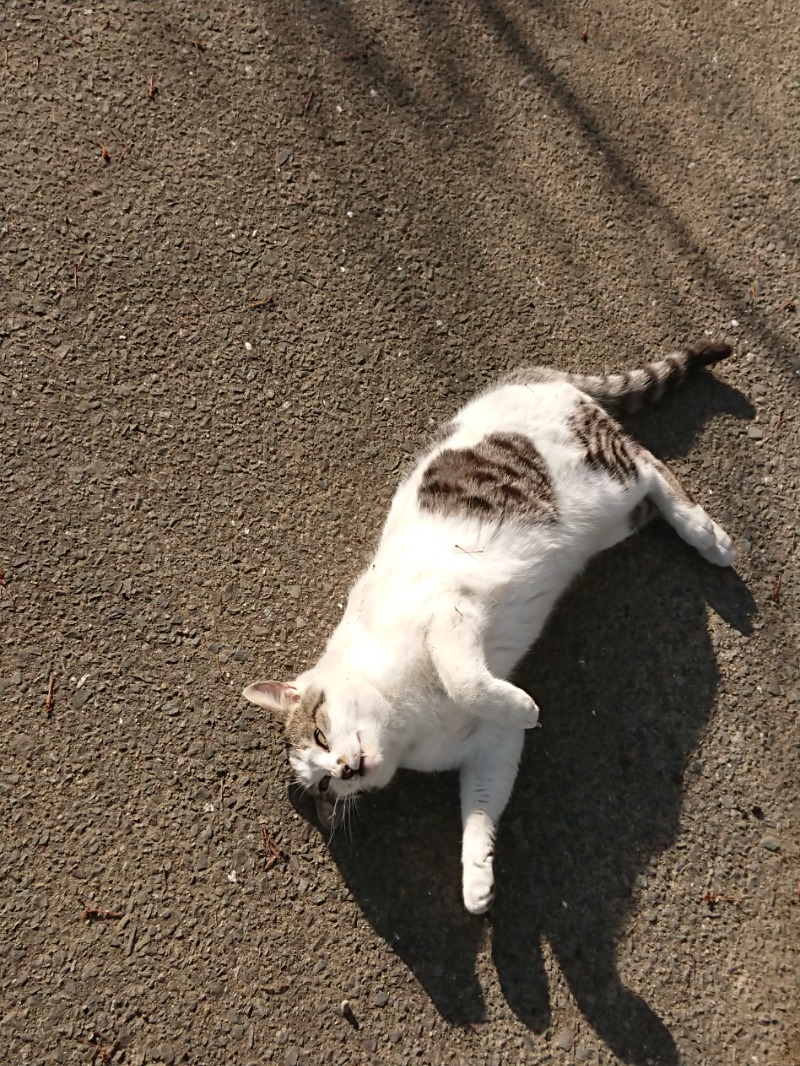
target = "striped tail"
x: 628, y: 392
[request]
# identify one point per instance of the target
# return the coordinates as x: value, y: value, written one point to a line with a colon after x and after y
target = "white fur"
x: 415, y: 673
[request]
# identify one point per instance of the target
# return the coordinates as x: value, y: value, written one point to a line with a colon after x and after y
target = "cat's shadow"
x: 625, y: 676
x: 671, y: 427
x: 625, y: 694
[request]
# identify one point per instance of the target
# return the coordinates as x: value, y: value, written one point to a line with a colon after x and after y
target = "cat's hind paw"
x: 721, y: 551
x: 710, y: 539
x: 478, y: 887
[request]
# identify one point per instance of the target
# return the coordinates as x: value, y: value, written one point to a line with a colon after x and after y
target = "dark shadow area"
x: 365, y: 56
x: 625, y: 697
x: 641, y: 197
x: 671, y: 427
x: 402, y: 862
x: 625, y: 675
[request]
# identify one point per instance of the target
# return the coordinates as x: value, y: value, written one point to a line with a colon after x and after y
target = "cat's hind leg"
x: 686, y: 517
x: 486, y: 783
x: 455, y: 646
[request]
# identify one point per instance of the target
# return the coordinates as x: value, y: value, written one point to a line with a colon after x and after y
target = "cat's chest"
x: 441, y: 745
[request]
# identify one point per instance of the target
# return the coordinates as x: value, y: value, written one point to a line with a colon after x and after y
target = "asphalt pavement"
x: 252, y: 254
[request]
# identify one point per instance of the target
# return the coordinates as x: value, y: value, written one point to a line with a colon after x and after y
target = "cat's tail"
x: 628, y: 392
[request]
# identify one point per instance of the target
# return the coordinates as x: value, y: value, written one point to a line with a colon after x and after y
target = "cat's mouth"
x: 361, y: 769
x: 348, y: 772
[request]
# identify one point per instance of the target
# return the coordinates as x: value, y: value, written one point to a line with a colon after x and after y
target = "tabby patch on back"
x: 530, y: 481
x: 502, y: 476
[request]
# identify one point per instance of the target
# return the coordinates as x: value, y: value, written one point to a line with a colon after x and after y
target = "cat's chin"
x: 327, y: 813
x: 332, y: 810
x: 330, y: 813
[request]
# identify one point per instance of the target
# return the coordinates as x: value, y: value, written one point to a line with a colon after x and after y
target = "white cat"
x: 527, y: 483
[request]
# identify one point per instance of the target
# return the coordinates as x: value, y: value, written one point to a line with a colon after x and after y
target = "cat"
x: 530, y: 480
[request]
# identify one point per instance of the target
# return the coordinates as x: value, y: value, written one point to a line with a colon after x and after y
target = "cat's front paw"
x: 524, y: 711
x: 478, y: 886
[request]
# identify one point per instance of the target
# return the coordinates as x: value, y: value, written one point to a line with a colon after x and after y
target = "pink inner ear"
x: 277, y: 695
x: 279, y: 691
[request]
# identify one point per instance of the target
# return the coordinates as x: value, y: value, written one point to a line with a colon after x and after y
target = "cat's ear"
x: 274, y: 695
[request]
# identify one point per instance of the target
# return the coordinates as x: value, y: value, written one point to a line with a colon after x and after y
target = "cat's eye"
x: 323, y: 785
x: 321, y: 739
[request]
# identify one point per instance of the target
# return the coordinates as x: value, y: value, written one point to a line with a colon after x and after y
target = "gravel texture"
x: 251, y: 253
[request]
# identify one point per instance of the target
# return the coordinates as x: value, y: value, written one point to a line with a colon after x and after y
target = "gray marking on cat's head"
x: 334, y: 728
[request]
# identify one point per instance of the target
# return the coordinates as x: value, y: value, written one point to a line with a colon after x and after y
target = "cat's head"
x: 337, y: 736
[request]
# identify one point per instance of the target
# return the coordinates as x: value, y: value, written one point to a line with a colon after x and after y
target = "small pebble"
x: 565, y: 1039
x: 770, y: 843
x: 381, y: 999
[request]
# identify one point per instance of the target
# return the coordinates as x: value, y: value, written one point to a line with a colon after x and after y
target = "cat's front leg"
x: 456, y: 650
x: 487, y: 779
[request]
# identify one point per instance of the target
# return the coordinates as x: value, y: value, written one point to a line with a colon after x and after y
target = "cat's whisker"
x: 298, y: 786
x: 332, y: 824
x: 338, y: 816
x: 343, y: 815
x: 355, y: 809
x: 345, y: 819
